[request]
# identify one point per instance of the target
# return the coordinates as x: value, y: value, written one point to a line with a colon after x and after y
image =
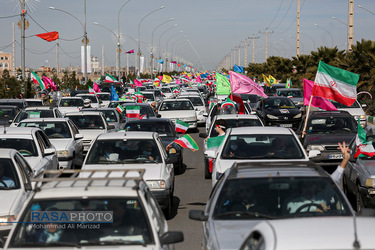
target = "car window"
x: 164, y: 129
x: 7, y: 113
x: 177, y: 105
x: 274, y: 198
x: 8, y: 175
x: 258, y: 146
x: 156, y: 214
x: 76, y: 102
x: 53, y: 130
x: 110, y: 115
x: 129, y: 223
x: 290, y: 93
x: 24, y: 114
x: 92, y: 98
x: 87, y: 121
x: 325, y: 125
x: 104, y: 97
x: 25, y: 170
x: 73, y: 127
x: 197, y: 101
x: 276, y: 103
x: 44, y: 139
x: 58, y: 113
x: 26, y: 147
x: 144, y: 110
x: 342, y: 106
x: 148, y: 96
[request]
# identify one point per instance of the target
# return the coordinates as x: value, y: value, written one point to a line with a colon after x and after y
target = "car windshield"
x: 24, y: 114
x: 8, y: 175
x: 104, y: 97
x: 119, y: 222
x: 342, y: 106
x: 276, y: 103
x: 259, y: 146
x: 176, y: 105
x: 197, y: 101
x: 234, y: 123
x: 54, y: 130
x: 163, y: 128
x: 280, y: 197
x: 124, y: 152
x: 87, y: 121
x: 292, y: 93
x: 326, y: 125
x: 7, y: 113
x: 76, y: 102
x: 25, y: 146
x: 110, y: 115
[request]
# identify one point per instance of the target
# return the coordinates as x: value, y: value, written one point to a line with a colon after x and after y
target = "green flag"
x: 214, y: 142
x: 288, y: 83
x: 222, y: 85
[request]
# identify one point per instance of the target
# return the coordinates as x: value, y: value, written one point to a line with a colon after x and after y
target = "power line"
x: 2, y: 17
x: 37, y: 23
x: 275, y: 14
x: 290, y: 5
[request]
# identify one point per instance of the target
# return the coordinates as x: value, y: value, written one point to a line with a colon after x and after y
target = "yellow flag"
x: 266, y: 80
x: 166, y: 78
x: 272, y: 79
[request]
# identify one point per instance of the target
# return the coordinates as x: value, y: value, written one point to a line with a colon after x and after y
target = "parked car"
x: 33, y: 144
x: 249, y: 193
x: 64, y: 135
x: 90, y: 125
x: 181, y: 109
x: 123, y: 214
x: 134, y: 150
x: 295, y: 94
x: 14, y: 190
x: 36, y: 112
x: 323, y: 131
x: 278, y: 111
x: 167, y: 132
x: 356, y: 110
x: 70, y: 104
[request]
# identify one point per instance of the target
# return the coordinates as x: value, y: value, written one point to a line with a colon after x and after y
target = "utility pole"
x: 254, y: 37
x: 266, y: 48
x: 23, y: 13
x: 298, y: 28
x: 350, y: 25
x: 57, y: 59
x: 245, y: 54
x: 103, y: 67
x: 14, y: 54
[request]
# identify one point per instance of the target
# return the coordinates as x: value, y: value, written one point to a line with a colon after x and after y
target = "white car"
x: 70, y: 104
x: 64, y: 135
x: 200, y: 107
x: 105, y: 97
x: 181, y: 109
x: 106, y: 212
x: 257, y: 144
x: 13, y: 195
x: 95, y: 101
x: 90, y: 125
x: 356, y: 110
x: 133, y: 150
x: 36, y: 112
x: 167, y: 92
x: 33, y: 144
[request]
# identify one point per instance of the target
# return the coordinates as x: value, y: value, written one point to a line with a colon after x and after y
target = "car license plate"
x: 286, y: 125
x: 335, y: 156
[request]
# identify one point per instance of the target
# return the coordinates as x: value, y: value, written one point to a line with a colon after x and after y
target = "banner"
x: 83, y: 59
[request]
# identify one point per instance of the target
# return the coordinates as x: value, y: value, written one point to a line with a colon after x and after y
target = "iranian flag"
x: 120, y: 108
x: 133, y: 111
x: 139, y: 96
x: 335, y: 84
x: 91, y: 90
x: 37, y: 80
x: 364, y: 148
x: 109, y: 78
x: 227, y: 103
x: 181, y: 126
x: 187, y: 142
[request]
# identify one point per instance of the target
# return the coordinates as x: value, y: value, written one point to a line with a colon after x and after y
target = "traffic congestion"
x: 193, y: 169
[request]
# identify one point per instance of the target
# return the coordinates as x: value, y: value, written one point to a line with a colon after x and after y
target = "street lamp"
x: 118, y: 41
x: 166, y: 48
x: 360, y: 6
x: 341, y: 21
x: 152, y: 47
x: 139, y: 41
x: 84, y: 35
x: 325, y: 31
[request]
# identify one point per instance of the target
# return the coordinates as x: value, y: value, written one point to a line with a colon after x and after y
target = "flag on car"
x: 364, y: 148
x: 114, y: 95
x: 96, y: 87
x: 242, y: 84
x: 227, y: 103
x: 37, y: 80
x: 166, y: 78
x: 48, y: 82
x: 139, y: 96
x: 187, y: 142
x: 120, y: 108
x: 109, y: 78
x: 133, y: 111
x: 91, y: 90
x: 288, y: 83
x: 181, y: 126
x: 214, y: 142
x: 266, y: 80
x: 272, y: 79
x: 137, y: 83
x: 335, y: 84
x: 317, y: 101
x: 222, y: 85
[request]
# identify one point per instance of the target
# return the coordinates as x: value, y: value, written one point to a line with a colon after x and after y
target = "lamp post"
x: 172, y: 50
x: 166, y: 48
x: 326, y: 31
x: 360, y: 6
x: 152, y: 47
x: 334, y: 18
x: 119, y: 39
x: 84, y: 35
x: 139, y: 41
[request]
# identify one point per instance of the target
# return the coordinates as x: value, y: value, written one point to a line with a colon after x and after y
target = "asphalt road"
x: 191, y: 192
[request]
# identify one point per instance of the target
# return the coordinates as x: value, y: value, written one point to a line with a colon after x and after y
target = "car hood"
x: 231, y: 233
x: 322, y: 228
x: 91, y: 134
x: 328, y: 139
x: 9, y: 198
x: 368, y: 164
x: 177, y: 113
x: 61, y: 144
x: 153, y: 171
x: 64, y: 110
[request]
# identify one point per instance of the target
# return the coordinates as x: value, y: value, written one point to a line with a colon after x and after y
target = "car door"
x: 77, y: 144
x: 25, y: 174
x: 50, y: 160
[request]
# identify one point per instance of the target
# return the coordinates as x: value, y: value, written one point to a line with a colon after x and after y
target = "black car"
x: 278, y: 111
x: 167, y: 132
x: 324, y: 130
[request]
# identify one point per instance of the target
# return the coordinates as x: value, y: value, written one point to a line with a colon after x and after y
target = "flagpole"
x: 307, y: 116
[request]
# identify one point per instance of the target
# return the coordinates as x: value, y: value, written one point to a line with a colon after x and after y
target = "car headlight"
x: 62, y: 153
x: 297, y: 116
x: 272, y: 117
x: 5, y: 220
x: 315, y: 147
x: 156, y: 184
x: 370, y: 182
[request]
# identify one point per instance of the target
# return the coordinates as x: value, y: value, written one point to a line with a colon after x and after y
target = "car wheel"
x: 359, y: 201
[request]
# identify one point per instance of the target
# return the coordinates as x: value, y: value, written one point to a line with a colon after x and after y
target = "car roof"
x: 126, y: 134
x: 83, y: 113
x: 7, y: 152
x: 18, y: 131
x: 260, y: 130
x: 9, y: 106
x: 40, y: 108
x: 334, y: 113
x: 236, y: 116
x: 276, y: 169
x: 71, y: 97
x: 96, y: 109
x: 135, y: 104
x: 175, y: 99
x: 150, y: 120
x: 49, y: 119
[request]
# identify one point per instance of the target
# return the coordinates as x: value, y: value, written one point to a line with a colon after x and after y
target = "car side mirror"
x: 78, y: 136
x: 314, y: 153
x: 49, y: 151
x: 171, y: 237
x: 210, y: 153
x: 203, y: 135
x: 110, y: 127
x: 197, y: 215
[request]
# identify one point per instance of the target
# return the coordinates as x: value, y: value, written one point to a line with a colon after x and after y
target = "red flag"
x: 137, y: 82
x: 130, y: 51
x: 49, y: 36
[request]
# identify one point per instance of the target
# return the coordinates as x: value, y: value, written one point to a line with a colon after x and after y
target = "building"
x: 95, y: 66
x: 6, y: 62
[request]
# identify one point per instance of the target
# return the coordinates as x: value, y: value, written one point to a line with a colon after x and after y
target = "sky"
x: 206, y: 32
